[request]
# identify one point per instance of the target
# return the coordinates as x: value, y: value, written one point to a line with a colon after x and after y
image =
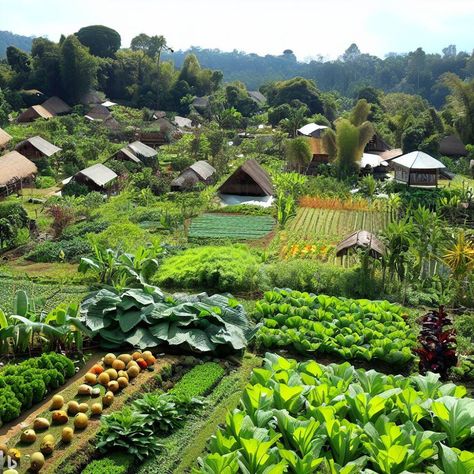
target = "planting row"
x: 300, y: 417
x: 343, y: 327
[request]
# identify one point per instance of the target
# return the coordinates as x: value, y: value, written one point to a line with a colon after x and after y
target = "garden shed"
x: 199, y: 172
x: 15, y: 171
x: 35, y: 148
x: 248, y: 180
x: 417, y: 169
x: 452, y: 145
x: 361, y: 239
x: 96, y: 177
x: 4, y: 138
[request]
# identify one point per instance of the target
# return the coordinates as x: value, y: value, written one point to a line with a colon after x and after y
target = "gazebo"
x: 361, y: 239
x: 417, y: 169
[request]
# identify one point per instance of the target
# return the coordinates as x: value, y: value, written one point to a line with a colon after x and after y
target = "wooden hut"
x: 33, y: 113
x: 35, y: 148
x: 56, y: 106
x: 137, y: 152
x: 99, y: 113
x: 4, y: 139
x: 96, y: 177
x: 361, y: 239
x: 199, y: 172
x: 248, y: 180
x: 452, y: 145
x: 378, y: 146
x: 15, y: 171
x: 417, y: 169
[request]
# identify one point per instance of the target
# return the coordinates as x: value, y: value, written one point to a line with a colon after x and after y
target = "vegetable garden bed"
x: 305, y: 417
x: 230, y: 226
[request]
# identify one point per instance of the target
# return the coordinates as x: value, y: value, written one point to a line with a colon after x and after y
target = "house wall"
x: 241, y: 184
x: 29, y: 151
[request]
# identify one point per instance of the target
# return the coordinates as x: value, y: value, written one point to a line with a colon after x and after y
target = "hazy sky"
x: 308, y: 27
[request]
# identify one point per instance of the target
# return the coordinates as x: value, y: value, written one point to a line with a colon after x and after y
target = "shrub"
x: 117, y: 463
x: 82, y: 228
x: 44, y: 182
x: 75, y: 189
x: 226, y: 268
x: 71, y: 250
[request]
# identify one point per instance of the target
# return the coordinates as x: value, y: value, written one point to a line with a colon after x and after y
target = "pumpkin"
x: 81, y: 421
x: 59, y: 417
x: 96, y: 369
x: 67, y: 434
x: 36, y: 462
x: 57, y: 402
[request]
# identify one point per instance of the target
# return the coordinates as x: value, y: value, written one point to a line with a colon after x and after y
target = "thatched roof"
x: 203, y: 169
x: 249, y: 177
x: 99, y: 174
x: 140, y: 149
x: 4, y: 137
x: 99, y: 112
x: 452, y: 145
x: 418, y: 160
x: 43, y: 146
x: 56, y: 106
x: 14, y: 165
x: 34, y: 112
x: 361, y: 239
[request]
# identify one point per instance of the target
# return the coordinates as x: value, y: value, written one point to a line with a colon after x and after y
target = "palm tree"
x: 346, y: 144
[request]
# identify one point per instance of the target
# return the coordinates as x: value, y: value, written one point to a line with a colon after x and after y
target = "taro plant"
x: 438, y: 345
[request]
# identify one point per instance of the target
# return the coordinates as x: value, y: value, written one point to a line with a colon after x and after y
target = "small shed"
x: 96, y: 177
x: 56, y: 106
x: 452, y: 145
x: 417, y: 169
x: 250, y: 179
x: 361, y: 239
x: 312, y: 130
x: 4, y: 139
x: 35, y: 148
x: 15, y: 171
x: 137, y: 152
x: 33, y: 113
x: 199, y: 172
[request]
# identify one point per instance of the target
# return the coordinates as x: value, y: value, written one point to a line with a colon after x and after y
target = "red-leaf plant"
x: 438, y: 346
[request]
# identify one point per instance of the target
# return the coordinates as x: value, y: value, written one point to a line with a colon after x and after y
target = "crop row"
x: 230, y: 226
x: 343, y: 327
x: 337, y: 223
x: 301, y: 417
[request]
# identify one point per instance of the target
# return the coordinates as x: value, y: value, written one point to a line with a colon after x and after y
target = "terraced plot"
x: 335, y: 224
x: 227, y: 226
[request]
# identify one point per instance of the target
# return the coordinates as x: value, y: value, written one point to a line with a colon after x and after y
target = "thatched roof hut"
x: 56, y: 106
x: 248, y: 180
x: 363, y: 240
x: 452, y: 145
x: 98, y: 113
x: 36, y: 148
x: 15, y: 169
x: 417, y: 169
x: 199, y: 172
x: 4, y: 138
x: 34, y: 112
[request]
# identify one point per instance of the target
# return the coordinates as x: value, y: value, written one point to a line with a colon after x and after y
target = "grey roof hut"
x: 96, y: 177
x: 137, y: 152
x: 417, y: 169
x: 248, y: 180
x: 361, y: 239
x: 199, y: 172
x: 35, y: 148
x: 452, y: 145
x: 98, y: 113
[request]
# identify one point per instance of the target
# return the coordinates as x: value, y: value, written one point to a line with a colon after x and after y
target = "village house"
x: 199, y: 172
x: 96, y: 177
x: 35, y: 148
x: 4, y: 139
x: 16, y: 171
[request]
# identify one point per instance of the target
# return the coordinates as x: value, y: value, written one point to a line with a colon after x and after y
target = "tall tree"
x: 101, y: 40
x: 298, y: 154
x: 78, y: 69
x: 46, y: 58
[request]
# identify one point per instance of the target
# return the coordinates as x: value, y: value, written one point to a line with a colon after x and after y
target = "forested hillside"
x: 415, y: 72
x: 11, y: 39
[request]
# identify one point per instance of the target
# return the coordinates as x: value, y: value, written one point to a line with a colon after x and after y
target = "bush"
x: 326, y: 186
x: 82, y: 228
x: 117, y: 463
x: 226, y: 268
x: 71, y: 250
x: 319, y: 278
x: 44, y: 182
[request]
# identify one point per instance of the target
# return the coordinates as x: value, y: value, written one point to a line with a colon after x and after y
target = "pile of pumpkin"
x: 117, y: 376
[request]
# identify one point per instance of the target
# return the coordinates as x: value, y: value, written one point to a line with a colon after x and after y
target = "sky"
x: 310, y: 28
